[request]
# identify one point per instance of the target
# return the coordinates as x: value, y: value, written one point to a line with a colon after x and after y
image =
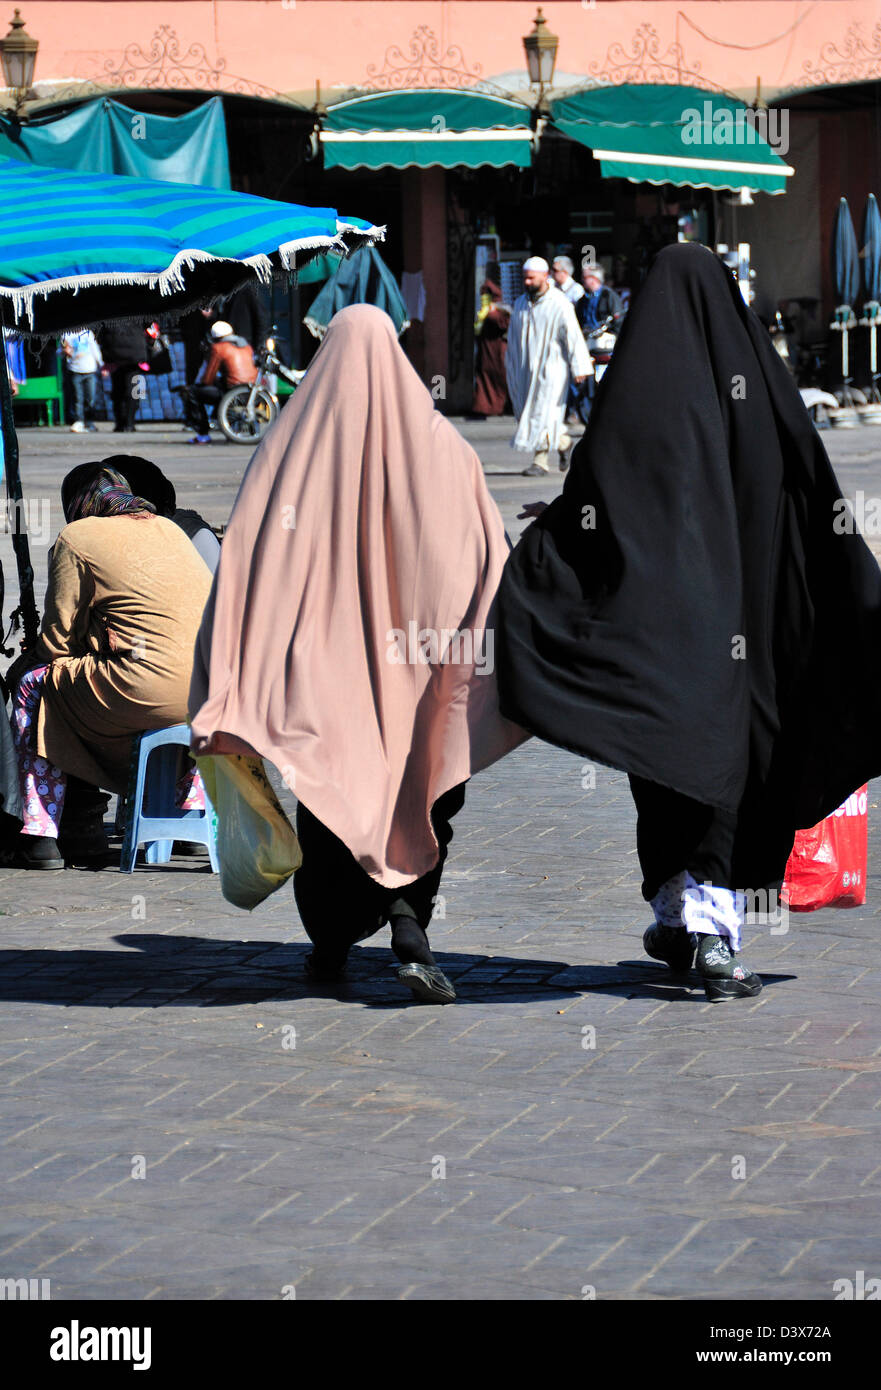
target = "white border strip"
x: 725, y: 166
x: 450, y: 93
x: 693, y: 183
x: 355, y: 137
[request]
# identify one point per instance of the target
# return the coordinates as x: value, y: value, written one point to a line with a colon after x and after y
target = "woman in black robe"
x: 698, y: 610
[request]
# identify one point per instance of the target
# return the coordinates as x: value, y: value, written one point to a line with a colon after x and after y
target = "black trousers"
x: 195, y: 398
x: 125, y: 403
x: 83, y: 803
x: 744, y: 850
x: 339, y: 902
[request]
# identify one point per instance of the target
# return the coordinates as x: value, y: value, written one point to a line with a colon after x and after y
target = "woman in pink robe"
x: 349, y: 639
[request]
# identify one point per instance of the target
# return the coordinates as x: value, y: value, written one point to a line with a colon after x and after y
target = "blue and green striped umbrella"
x: 80, y: 249
x: 77, y: 249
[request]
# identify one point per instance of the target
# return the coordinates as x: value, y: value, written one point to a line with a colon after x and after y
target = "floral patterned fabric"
x: 43, y: 785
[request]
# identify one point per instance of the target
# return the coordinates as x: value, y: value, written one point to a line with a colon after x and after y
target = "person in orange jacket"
x: 230, y: 363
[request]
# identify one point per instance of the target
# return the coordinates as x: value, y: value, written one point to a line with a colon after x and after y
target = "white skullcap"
x: 221, y: 329
x: 536, y: 263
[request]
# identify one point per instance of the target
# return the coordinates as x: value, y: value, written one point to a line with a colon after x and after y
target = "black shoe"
x: 723, y: 975
x: 83, y: 845
x: 35, y: 852
x: 674, y: 945
x: 428, y: 983
x: 325, y: 966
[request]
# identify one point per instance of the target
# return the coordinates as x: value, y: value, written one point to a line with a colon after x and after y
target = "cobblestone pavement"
x: 183, y: 1116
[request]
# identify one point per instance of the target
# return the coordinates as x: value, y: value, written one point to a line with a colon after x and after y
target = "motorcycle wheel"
x: 243, y: 423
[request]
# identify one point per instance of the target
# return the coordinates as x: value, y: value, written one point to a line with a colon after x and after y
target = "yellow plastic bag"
x: 256, y: 844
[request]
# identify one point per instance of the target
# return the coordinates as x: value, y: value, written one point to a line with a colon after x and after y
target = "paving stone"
x: 566, y: 1166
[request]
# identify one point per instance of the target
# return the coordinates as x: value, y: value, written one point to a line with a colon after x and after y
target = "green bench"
x: 45, y: 391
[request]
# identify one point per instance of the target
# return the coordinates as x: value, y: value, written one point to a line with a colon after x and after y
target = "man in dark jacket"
x: 599, y: 302
x: 124, y: 349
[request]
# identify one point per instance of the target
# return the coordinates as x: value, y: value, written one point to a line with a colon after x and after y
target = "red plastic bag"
x: 827, y: 867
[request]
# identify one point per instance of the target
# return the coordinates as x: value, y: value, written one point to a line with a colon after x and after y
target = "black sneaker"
x: 723, y: 975
x: 674, y: 945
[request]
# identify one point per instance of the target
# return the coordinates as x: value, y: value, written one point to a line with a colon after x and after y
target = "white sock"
x: 701, y: 907
x: 667, y: 902
x: 713, y: 911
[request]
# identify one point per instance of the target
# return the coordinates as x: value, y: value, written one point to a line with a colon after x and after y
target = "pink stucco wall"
x: 287, y: 44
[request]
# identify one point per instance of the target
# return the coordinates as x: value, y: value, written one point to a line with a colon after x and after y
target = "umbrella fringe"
x: 167, y: 281
x: 317, y: 329
x: 362, y: 234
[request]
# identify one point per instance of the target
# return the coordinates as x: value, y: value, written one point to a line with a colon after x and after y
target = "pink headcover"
x: 348, y: 636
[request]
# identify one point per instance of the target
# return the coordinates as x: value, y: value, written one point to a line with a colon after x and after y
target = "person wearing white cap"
x: 231, y: 363
x: 545, y: 347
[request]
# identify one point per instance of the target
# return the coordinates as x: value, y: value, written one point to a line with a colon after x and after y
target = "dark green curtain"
x: 363, y: 278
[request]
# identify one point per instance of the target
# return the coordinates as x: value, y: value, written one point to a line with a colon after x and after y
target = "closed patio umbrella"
x: 870, y: 257
x: 846, y: 279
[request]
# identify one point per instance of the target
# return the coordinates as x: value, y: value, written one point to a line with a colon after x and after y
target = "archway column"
x: 424, y: 234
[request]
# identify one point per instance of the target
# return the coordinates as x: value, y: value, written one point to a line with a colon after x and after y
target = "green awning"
x: 679, y: 135
x: 423, y: 129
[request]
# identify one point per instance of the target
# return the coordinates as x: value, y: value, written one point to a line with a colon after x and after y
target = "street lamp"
x: 541, y: 55
x: 18, y: 55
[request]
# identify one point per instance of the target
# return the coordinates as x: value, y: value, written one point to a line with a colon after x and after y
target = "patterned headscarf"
x: 106, y: 494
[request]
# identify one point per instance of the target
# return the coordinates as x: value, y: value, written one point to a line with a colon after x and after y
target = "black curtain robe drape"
x: 695, y: 608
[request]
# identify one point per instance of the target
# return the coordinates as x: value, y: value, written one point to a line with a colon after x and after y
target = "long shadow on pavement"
x: 207, y: 972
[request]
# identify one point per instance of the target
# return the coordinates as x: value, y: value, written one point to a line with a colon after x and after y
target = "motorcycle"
x: 807, y: 362
x: 246, y: 412
x: 785, y: 341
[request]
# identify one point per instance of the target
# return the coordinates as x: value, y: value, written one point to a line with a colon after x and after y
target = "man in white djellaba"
x: 545, y: 347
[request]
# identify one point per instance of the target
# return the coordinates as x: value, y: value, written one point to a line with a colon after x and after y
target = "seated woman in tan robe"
x: 114, y: 655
